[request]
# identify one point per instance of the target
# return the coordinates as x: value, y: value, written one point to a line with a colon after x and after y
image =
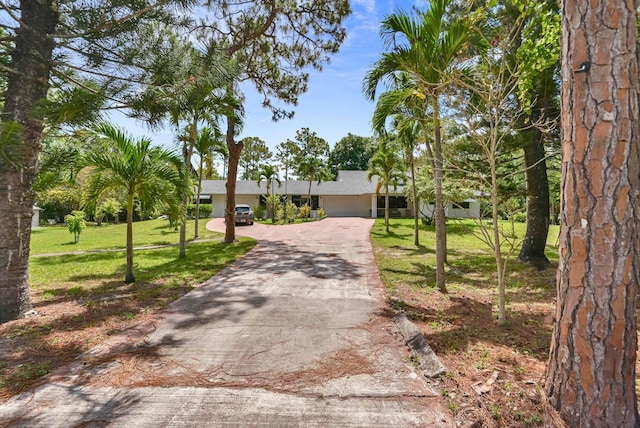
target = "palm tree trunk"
x: 386, y: 206
x: 441, y: 232
x: 416, y: 230
x: 188, y: 153
x: 197, y: 210
x: 129, y: 278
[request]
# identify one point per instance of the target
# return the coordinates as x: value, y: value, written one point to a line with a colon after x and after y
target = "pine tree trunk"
x: 591, y: 373
x: 535, y: 240
x: 234, y: 156
x: 18, y: 161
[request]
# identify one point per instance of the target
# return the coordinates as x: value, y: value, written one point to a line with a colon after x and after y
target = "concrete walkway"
x: 295, y: 334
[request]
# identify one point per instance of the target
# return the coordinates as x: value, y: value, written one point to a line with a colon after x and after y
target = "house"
x: 350, y: 195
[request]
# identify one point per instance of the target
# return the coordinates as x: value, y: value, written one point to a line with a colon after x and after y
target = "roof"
x: 347, y: 183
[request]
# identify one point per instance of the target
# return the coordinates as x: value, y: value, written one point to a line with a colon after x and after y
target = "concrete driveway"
x: 295, y: 334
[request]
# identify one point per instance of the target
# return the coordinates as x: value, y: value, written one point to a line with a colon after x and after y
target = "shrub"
x: 322, y: 213
x: 205, y: 210
x: 520, y: 217
x: 292, y: 212
x: 75, y: 223
x: 259, y: 211
x: 274, y: 205
x: 304, y: 212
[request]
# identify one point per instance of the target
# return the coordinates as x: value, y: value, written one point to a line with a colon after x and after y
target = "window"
x: 461, y: 205
x: 301, y: 200
x: 394, y: 202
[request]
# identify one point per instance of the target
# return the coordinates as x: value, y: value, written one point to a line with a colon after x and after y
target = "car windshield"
x: 243, y: 210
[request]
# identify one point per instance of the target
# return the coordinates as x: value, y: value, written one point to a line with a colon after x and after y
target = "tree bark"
x: 129, y: 276
x: 232, y: 174
x: 386, y: 207
x: 196, y: 233
x: 591, y: 372
x: 416, y: 225
x: 538, y: 208
x: 440, y: 220
x: 18, y: 161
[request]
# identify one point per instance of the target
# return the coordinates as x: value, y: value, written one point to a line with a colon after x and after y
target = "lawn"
x: 461, y: 325
x: 81, y: 299
x: 57, y: 239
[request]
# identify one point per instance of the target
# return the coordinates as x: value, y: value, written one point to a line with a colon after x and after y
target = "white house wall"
x: 346, y: 206
x: 218, y: 205
x: 472, y: 212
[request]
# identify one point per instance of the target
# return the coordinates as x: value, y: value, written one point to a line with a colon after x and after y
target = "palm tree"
x: 313, y: 169
x: 269, y: 173
x: 386, y: 164
x: 146, y: 174
x: 207, y: 143
x: 423, y: 48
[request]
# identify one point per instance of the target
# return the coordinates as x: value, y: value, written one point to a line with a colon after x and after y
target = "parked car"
x: 243, y: 214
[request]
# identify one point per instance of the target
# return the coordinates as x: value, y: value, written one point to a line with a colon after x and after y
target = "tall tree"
x: 255, y: 153
x: 387, y: 165
x: 311, y: 158
x: 591, y: 375
x: 424, y: 48
x: 60, y: 44
x: 273, y: 42
x: 351, y: 153
x: 190, y: 91
x: 143, y: 172
x: 409, y: 132
x: 491, y: 118
x: 538, y: 64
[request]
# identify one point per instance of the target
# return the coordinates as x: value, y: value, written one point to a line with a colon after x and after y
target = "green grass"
x: 57, y: 239
x: 470, y: 259
x: 203, y: 260
x: 70, y: 271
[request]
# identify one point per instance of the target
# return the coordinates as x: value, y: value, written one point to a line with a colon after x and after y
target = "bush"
x: 274, y: 207
x: 520, y: 217
x: 292, y: 212
x: 259, y: 211
x: 75, y: 223
x: 304, y: 212
x: 322, y: 213
x: 205, y: 210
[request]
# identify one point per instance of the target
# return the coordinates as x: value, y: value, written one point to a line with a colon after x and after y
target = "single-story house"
x: 350, y: 195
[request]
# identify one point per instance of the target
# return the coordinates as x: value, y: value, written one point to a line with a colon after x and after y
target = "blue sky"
x: 334, y: 105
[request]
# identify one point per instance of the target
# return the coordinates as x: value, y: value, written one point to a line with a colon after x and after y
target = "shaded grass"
x: 81, y: 299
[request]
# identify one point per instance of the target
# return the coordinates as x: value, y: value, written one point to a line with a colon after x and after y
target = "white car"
x: 243, y: 214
